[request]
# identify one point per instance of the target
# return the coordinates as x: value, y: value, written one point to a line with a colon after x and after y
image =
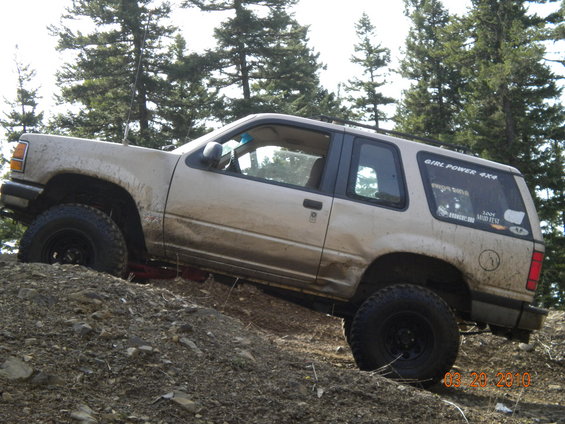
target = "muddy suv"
x: 404, y: 240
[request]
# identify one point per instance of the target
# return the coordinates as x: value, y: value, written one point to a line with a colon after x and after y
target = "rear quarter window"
x: 472, y: 195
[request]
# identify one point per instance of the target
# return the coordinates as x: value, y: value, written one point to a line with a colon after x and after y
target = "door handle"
x: 312, y: 204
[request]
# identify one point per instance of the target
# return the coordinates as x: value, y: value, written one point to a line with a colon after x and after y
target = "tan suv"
x: 403, y: 240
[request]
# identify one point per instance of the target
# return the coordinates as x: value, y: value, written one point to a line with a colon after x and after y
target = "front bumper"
x: 18, y: 195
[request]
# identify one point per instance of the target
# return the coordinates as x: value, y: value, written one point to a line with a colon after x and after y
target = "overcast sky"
x: 332, y: 34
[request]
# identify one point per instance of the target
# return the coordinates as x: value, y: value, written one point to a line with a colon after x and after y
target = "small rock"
x: 105, y: 334
x: 43, y: 379
x: 245, y: 354
x: 87, y: 297
x: 7, y: 397
x: 243, y: 341
x: 189, y: 343
x: 137, y: 342
x: 340, y: 349
x: 84, y: 414
x: 132, y: 352
x: 35, y: 297
x: 146, y: 349
x: 182, y: 399
x: 82, y: 329
x: 15, y: 369
x: 526, y: 347
x: 27, y: 293
x: 185, y: 328
x: 554, y: 387
x: 102, y: 314
x: 500, y: 407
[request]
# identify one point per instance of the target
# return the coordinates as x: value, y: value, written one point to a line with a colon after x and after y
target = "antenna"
x: 134, y: 86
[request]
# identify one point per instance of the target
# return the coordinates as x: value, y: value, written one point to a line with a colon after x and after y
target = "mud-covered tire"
x: 75, y: 234
x: 407, y: 332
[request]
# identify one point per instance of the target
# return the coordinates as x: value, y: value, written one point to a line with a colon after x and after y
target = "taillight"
x: 18, y: 157
x: 535, y: 271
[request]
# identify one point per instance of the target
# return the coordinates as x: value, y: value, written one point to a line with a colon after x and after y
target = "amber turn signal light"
x: 18, y: 157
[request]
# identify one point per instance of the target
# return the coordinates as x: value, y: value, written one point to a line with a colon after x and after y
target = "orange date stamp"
x: 482, y: 379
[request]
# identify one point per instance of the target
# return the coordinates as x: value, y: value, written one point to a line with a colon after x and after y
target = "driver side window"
x: 278, y: 153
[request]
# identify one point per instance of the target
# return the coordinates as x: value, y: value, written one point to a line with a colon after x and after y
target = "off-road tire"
x: 407, y: 332
x: 75, y: 234
x: 346, y: 328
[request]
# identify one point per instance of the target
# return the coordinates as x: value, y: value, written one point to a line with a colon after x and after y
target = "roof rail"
x: 331, y: 119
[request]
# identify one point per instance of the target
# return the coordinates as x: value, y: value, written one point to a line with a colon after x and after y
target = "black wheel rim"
x: 408, y: 338
x: 69, y: 246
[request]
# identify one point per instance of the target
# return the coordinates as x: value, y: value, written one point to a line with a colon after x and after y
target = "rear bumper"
x: 532, y: 318
x: 508, y: 313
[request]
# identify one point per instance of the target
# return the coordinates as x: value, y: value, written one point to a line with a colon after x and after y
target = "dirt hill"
x: 82, y: 347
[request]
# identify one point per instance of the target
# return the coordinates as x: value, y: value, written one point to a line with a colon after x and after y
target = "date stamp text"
x: 482, y: 379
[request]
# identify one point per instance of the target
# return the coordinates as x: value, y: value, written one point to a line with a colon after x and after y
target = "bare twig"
x: 315, y: 375
x: 518, y: 400
x: 459, y: 409
x: 229, y: 293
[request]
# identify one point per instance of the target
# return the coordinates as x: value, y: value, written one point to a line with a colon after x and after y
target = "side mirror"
x: 212, y: 154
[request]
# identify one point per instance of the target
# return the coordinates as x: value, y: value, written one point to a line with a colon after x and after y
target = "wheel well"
x: 401, y: 268
x: 112, y: 199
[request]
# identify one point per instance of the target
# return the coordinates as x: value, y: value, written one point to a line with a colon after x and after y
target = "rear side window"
x: 375, y: 175
x: 467, y: 194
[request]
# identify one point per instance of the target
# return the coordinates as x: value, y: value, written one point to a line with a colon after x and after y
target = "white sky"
x: 332, y: 34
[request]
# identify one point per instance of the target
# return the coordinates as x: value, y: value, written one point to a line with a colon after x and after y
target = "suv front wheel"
x: 75, y: 234
x: 406, y: 332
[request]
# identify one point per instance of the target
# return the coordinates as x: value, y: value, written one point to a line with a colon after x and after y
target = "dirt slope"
x: 78, y: 346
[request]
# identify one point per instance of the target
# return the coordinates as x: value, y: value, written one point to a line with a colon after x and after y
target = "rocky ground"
x: 80, y: 347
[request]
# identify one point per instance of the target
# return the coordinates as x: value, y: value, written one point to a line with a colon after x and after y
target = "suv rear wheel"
x: 406, y: 331
x: 75, y: 234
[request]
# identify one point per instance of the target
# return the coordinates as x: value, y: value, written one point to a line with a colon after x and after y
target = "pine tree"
x: 263, y: 53
x: 431, y: 105
x: 23, y: 116
x: 186, y: 101
x: 373, y: 59
x: 124, y: 50
x: 512, y: 111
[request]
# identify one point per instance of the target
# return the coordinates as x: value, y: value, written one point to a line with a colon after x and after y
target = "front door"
x: 262, y: 213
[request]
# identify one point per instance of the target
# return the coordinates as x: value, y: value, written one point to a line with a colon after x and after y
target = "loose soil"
x: 78, y: 346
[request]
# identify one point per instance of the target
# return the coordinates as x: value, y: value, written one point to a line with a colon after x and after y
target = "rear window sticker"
x: 489, y: 217
x: 459, y: 168
x: 474, y: 195
x: 519, y: 231
x: 453, y: 202
x: 514, y: 217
